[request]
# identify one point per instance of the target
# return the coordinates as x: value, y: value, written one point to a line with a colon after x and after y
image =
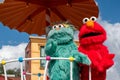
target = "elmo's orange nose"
x: 90, y: 24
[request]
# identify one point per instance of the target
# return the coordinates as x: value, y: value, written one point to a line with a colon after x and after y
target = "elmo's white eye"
x: 85, y: 20
x: 93, y: 18
x: 60, y: 26
x: 55, y: 26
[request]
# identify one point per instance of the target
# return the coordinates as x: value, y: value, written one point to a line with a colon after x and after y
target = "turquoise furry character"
x: 60, y: 44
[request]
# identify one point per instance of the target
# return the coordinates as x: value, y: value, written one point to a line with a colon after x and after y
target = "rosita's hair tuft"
x: 48, y: 28
x: 60, y: 22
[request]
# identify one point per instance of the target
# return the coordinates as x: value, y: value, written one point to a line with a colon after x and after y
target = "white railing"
x: 47, y: 58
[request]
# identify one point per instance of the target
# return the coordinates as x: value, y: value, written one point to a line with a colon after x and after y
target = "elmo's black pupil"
x: 85, y: 20
x: 93, y: 19
x: 54, y: 26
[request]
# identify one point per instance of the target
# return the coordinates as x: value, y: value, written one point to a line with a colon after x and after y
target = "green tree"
x: 10, y: 71
x: 14, y: 71
x: 1, y: 69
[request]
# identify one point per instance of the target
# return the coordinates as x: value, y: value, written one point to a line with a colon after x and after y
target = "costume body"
x: 91, y: 38
x: 60, y: 44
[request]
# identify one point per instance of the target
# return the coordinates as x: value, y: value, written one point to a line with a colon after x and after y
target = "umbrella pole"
x: 48, y: 17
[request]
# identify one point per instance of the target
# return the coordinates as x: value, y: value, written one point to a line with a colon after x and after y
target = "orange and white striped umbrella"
x: 32, y: 16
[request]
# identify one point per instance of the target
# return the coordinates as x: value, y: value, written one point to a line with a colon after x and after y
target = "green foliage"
x: 1, y: 69
x: 14, y: 71
x: 10, y: 71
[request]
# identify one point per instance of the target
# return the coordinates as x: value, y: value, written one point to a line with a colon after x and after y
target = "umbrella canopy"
x: 32, y: 16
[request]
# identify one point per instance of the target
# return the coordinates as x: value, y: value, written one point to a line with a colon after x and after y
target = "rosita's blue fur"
x: 60, y: 44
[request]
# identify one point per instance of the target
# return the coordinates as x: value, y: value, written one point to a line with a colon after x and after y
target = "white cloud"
x: 12, y: 52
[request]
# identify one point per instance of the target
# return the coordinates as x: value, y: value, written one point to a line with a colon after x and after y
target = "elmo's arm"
x: 101, y: 60
x: 101, y: 63
x: 107, y: 59
x: 107, y: 62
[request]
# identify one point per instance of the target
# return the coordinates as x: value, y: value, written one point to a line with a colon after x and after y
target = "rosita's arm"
x: 50, y: 47
x: 81, y: 58
x: 93, y: 56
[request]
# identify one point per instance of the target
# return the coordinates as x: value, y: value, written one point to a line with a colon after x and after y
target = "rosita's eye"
x: 60, y: 26
x: 93, y: 18
x: 54, y: 27
x: 85, y: 20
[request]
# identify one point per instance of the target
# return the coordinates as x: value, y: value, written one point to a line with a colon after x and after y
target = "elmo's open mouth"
x: 91, y: 34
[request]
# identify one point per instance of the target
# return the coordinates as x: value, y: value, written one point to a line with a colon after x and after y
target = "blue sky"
x: 109, y: 10
x: 13, y: 43
x: 11, y: 37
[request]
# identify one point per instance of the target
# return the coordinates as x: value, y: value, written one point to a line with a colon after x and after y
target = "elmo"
x: 91, y: 38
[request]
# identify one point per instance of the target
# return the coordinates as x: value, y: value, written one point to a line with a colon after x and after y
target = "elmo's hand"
x: 106, y: 62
